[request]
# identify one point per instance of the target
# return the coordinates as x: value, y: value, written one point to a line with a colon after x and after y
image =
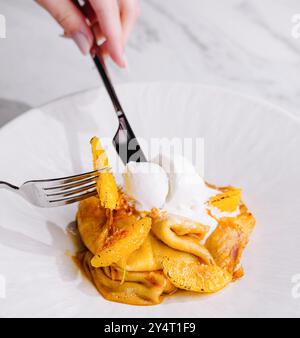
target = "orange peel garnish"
x: 106, y: 185
x: 227, y: 201
x: 129, y: 237
x: 195, y: 276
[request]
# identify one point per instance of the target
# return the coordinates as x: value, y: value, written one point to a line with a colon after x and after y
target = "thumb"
x: 72, y: 21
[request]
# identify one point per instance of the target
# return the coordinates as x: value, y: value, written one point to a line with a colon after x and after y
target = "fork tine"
x: 70, y: 192
x: 70, y: 200
x: 58, y: 182
x: 69, y: 186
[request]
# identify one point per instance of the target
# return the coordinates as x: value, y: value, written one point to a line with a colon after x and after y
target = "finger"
x: 100, y: 39
x: 129, y: 11
x: 90, y: 13
x: 108, y: 15
x: 72, y: 21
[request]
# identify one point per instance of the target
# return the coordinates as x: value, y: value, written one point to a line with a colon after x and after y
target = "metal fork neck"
x: 8, y: 186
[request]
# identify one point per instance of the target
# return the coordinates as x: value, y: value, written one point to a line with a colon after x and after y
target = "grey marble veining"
x: 242, y: 45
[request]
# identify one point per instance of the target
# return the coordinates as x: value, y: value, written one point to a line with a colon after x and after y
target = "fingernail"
x: 82, y: 42
x: 101, y: 41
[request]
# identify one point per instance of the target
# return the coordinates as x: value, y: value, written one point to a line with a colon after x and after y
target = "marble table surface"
x: 249, y: 46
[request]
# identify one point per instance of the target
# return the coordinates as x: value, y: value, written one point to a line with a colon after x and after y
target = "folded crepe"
x: 138, y: 258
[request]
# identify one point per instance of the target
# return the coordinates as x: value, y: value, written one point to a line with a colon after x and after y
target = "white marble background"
x: 242, y: 45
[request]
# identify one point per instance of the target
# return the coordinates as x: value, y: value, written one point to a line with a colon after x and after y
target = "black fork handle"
x: 131, y: 146
x: 99, y: 62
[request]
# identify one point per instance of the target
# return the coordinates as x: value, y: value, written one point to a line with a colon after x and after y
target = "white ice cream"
x: 185, y: 183
x: 173, y: 185
x: 147, y: 183
x: 188, y: 192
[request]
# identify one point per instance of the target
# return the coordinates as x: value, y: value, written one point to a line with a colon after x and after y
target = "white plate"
x: 247, y: 143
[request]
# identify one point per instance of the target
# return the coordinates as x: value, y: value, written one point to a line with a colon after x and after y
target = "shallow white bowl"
x: 250, y: 144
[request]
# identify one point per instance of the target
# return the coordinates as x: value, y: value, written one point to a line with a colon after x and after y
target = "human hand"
x: 109, y: 20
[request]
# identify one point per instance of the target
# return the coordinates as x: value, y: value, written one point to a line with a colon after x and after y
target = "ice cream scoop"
x: 147, y: 183
x: 187, y: 187
x: 188, y: 192
x: 172, y: 184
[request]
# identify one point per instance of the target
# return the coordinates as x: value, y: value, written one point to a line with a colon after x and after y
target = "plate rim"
x: 288, y: 117
x: 251, y: 98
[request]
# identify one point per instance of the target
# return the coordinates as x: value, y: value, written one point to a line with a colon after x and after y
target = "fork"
x: 58, y: 191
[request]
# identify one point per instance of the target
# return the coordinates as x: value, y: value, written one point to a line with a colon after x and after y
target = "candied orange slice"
x: 195, y: 276
x: 91, y: 221
x: 227, y: 201
x: 106, y: 184
x: 229, y: 239
x: 107, y: 190
x: 130, y: 235
x: 100, y: 158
